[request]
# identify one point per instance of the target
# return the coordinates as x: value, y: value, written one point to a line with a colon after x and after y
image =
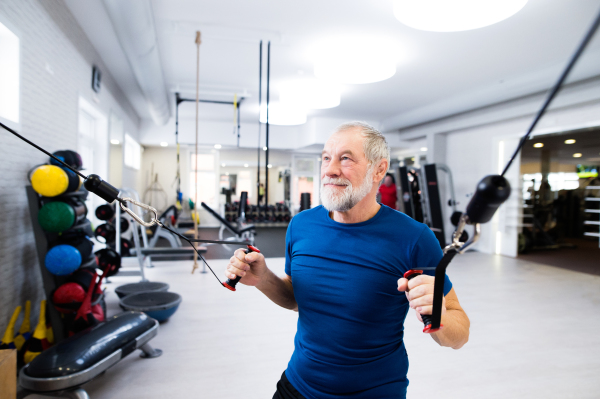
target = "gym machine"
x: 422, y: 198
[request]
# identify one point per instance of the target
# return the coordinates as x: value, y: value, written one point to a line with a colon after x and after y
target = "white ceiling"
x: 438, y: 74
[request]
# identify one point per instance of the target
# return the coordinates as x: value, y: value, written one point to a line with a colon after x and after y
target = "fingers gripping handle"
x: 409, y: 275
x: 230, y: 284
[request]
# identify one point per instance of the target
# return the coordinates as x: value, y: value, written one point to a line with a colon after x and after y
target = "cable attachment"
x: 458, y: 245
x: 135, y: 216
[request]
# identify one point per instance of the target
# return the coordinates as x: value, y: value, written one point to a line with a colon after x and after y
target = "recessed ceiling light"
x: 281, y: 114
x: 538, y: 145
x: 264, y: 148
x: 245, y: 165
x: 164, y: 144
x: 269, y: 166
x: 423, y: 149
x: 223, y: 165
x: 454, y: 15
x: 115, y: 142
x: 570, y: 141
x: 217, y: 146
x: 354, y: 60
x: 577, y: 155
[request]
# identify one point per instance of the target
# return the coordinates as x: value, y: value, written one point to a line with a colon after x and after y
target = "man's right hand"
x: 251, y: 267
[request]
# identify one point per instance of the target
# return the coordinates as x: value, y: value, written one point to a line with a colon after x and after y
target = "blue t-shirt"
x: 350, y: 313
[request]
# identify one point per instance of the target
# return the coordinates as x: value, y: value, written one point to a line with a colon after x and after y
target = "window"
x: 558, y: 181
x: 9, y: 75
x: 132, y: 152
x: 207, y: 179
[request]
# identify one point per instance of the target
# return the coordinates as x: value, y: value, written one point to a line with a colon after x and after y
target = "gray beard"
x: 349, y: 197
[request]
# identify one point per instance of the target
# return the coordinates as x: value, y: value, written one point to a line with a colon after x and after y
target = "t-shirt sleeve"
x: 288, y: 249
x: 427, y: 254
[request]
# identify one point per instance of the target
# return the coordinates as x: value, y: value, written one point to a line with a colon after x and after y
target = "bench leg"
x: 148, y: 352
x: 77, y: 394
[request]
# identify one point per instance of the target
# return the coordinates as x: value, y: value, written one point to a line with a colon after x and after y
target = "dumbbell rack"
x: 42, y: 240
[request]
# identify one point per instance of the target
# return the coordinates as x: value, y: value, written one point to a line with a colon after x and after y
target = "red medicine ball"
x: 68, y: 294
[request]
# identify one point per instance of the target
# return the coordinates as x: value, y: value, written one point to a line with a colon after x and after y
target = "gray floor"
x: 535, y: 333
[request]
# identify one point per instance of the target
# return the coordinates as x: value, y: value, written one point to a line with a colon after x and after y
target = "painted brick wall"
x: 56, y: 65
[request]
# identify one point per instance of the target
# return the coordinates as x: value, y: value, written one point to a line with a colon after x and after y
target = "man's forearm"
x: 455, y: 332
x: 278, y: 290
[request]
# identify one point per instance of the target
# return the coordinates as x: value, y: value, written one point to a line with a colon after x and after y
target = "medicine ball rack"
x: 42, y: 241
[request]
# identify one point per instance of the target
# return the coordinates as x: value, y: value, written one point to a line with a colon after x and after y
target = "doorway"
x: 561, y: 200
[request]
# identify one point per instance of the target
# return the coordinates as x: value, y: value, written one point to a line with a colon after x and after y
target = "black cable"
x: 556, y: 88
x: 191, y: 240
x: 42, y: 150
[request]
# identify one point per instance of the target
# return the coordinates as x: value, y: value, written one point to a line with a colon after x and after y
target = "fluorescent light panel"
x: 354, y: 60
x: 282, y: 114
x: 454, y: 15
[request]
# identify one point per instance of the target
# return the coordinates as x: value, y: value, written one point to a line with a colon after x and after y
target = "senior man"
x: 343, y: 274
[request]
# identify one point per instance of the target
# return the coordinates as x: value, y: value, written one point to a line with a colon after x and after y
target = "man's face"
x: 387, y: 181
x: 345, y: 174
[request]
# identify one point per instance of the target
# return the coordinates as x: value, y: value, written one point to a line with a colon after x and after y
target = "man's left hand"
x: 419, y: 292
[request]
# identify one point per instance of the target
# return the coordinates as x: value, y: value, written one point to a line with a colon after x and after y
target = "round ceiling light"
x: 570, y: 141
x: 538, y: 145
x: 282, y: 114
x: 311, y: 94
x: 454, y: 15
x: 354, y: 61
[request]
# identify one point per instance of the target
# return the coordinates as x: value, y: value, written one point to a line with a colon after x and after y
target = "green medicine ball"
x: 56, y: 217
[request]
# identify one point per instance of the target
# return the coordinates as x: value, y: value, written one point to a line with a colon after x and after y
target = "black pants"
x: 285, y: 390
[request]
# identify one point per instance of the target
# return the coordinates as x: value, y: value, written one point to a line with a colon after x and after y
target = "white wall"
x: 56, y: 69
x: 472, y: 141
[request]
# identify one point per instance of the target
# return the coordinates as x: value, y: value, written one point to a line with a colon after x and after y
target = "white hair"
x: 375, y: 145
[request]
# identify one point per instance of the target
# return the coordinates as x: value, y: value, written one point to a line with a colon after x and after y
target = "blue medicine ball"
x: 63, y: 260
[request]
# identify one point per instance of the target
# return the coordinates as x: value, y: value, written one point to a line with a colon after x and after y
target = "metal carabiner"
x: 134, y: 215
x: 456, y: 244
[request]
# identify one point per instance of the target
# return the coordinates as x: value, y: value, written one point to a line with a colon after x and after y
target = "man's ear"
x: 381, y: 170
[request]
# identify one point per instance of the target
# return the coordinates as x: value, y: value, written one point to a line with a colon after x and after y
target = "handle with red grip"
x: 409, y: 275
x: 230, y: 284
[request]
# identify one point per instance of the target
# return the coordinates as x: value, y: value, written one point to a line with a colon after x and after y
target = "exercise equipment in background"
x: 421, y: 196
x: 8, y: 340
x: 24, y: 333
x: 78, y: 359
x: 105, y: 212
x: 52, y: 181
x: 159, y: 305
x: 304, y: 201
x: 39, y: 340
x: 143, y: 286
x: 59, y: 216
x: 88, y: 315
x: 64, y: 259
x: 70, y: 157
x: 241, y: 232
x: 109, y: 261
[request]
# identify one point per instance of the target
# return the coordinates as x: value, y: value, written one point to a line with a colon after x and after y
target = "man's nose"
x: 332, y: 169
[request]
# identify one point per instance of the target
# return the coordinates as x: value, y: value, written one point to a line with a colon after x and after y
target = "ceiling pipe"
x: 133, y: 22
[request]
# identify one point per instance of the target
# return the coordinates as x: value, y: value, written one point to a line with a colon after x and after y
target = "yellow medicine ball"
x: 49, y: 180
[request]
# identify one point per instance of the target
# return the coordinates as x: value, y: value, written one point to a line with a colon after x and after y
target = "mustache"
x: 337, y: 181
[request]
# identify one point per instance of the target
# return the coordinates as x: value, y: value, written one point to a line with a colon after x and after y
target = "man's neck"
x: 361, y: 212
